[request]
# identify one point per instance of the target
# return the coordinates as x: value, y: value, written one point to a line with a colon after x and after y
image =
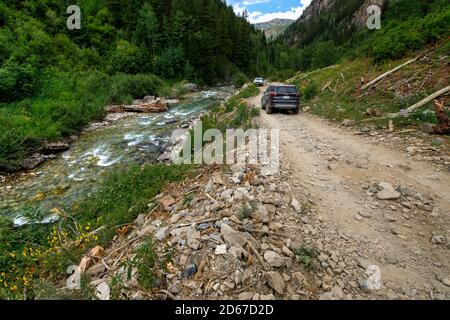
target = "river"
x: 77, y: 173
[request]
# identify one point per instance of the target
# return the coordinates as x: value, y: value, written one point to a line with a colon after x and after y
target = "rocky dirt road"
x: 371, y: 206
x: 345, y: 217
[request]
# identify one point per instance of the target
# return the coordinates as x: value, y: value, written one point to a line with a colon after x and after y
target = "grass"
x: 65, y: 103
x: 246, y: 211
x: 335, y: 92
x: 234, y: 113
x: 145, y: 263
x: 40, y: 254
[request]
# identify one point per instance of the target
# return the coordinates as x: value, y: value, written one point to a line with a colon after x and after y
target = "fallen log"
x: 152, y: 107
x: 419, y: 104
x: 386, y: 74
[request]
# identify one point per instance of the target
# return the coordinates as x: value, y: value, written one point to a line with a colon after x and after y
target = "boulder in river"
x: 55, y: 147
x: 35, y: 160
x: 192, y: 87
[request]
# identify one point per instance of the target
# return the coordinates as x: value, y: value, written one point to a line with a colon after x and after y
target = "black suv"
x: 281, y: 97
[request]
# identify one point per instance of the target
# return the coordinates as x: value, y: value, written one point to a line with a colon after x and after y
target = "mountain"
x: 330, y: 30
x: 332, y: 20
x: 275, y: 27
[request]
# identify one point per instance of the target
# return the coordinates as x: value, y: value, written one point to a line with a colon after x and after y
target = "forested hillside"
x: 54, y: 80
x: 331, y: 30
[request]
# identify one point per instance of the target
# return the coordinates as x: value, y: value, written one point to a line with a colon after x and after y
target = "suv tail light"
x: 273, y: 94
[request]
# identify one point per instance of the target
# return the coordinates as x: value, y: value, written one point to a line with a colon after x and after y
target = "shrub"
x: 239, y: 80
x: 125, y: 58
x: 307, y: 256
x: 250, y: 91
x: 399, y: 38
x: 309, y: 91
x: 144, y: 262
x: 136, y: 86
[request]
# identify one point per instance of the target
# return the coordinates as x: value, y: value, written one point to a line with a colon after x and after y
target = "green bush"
x: 251, y: 91
x: 239, y: 80
x: 136, y: 86
x: 309, y: 91
x: 399, y: 38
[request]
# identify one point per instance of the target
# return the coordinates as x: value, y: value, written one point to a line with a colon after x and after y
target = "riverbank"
x: 32, y: 128
x: 109, y: 199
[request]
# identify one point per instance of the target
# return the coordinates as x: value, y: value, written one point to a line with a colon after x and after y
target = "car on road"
x: 281, y: 97
x: 259, y: 82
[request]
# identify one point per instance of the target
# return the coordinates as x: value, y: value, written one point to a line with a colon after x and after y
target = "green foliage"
x: 144, y: 262
x: 309, y: 91
x: 65, y: 103
x: 307, y: 256
x: 331, y: 35
x: 170, y: 62
x: 250, y: 91
x: 125, y: 58
x: 400, y: 38
x: 239, y: 80
x: 246, y: 211
x: 34, y: 253
x: 136, y: 86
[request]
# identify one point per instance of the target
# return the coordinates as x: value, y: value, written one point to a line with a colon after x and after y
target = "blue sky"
x: 266, y: 10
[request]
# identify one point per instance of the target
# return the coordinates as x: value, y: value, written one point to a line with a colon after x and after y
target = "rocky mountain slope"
x: 329, y: 19
x: 275, y: 27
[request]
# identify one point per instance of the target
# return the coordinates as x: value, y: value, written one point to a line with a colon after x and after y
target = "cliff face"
x: 329, y: 19
x: 360, y: 16
x: 316, y: 8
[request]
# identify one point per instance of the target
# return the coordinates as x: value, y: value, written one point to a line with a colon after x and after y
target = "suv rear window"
x: 286, y: 89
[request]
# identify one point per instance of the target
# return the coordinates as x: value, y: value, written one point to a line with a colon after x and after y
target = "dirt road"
x: 339, y: 174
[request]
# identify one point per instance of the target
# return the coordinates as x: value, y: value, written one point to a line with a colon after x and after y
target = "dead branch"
x: 402, y: 82
x: 326, y: 86
x: 419, y: 104
x: 386, y: 74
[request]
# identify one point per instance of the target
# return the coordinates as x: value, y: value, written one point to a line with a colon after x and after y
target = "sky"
x: 266, y: 10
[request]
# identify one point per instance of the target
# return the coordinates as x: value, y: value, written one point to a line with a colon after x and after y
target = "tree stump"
x: 443, y: 126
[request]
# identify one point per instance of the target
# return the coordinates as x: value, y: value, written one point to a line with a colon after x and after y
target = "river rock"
x: 276, y: 281
x: 55, y: 147
x: 387, y: 192
x: 34, y: 160
x: 192, y: 87
x: 149, y: 99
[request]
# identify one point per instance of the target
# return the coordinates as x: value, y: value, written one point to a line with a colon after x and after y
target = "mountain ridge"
x: 275, y: 27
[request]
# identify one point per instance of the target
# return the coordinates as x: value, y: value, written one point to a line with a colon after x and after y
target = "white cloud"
x: 258, y: 17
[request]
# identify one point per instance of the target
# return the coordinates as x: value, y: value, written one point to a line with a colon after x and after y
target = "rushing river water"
x: 77, y: 173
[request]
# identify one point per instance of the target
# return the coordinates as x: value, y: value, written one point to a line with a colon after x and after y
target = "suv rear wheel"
x: 296, y: 111
x: 269, y: 110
